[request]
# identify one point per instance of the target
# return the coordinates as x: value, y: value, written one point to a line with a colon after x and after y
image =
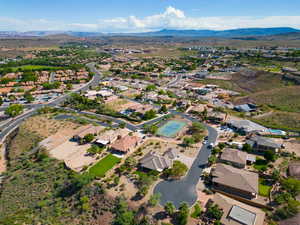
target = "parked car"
x: 211, y: 145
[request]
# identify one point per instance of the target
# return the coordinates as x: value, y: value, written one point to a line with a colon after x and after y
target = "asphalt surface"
x: 178, y: 77
x: 184, y: 190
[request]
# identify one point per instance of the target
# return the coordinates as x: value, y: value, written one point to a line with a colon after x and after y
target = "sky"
x: 146, y: 15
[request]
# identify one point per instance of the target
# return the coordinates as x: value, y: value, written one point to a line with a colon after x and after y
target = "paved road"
x: 9, y: 126
x: 52, y: 77
x: 184, y: 190
x: 178, y: 77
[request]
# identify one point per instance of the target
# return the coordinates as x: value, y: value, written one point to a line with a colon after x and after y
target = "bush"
x: 197, y: 211
x: 178, y: 169
x: 214, y: 212
x: 183, y: 214
x: 14, y: 110
x: 270, y: 155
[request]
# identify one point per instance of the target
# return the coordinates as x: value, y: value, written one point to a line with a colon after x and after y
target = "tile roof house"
x: 108, y: 137
x: 234, y: 157
x: 294, y: 170
x: 238, y: 213
x: 235, y: 181
x: 154, y: 161
x: 125, y: 144
x: 259, y: 143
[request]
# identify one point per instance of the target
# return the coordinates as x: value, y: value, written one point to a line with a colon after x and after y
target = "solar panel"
x: 242, y: 215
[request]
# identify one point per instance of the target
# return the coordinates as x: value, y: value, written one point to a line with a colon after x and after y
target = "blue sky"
x: 146, y: 15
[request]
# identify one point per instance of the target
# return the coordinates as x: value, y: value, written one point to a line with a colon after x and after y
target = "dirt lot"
x: 44, y: 126
x: 292, y: 145
x: 2, y: 159
x: 74, y: 155
x: 117, y: 104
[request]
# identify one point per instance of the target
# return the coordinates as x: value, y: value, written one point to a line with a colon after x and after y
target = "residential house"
x: 235, y: 181
x: 246, y: 108
x: 238, y: 213
x: 126, y: 144
x: 154, y: 161
x: 234, y: 157
x: 246, y: 126
x: 294, y: 170
x: 216, y: 117
x: 110, y: 136
x: 260, y: 144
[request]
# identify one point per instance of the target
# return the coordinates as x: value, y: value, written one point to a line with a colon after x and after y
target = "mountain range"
x: 243, y: 32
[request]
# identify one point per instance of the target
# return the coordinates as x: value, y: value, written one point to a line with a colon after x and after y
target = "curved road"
x: 12, y: 124
x: 184, y: 190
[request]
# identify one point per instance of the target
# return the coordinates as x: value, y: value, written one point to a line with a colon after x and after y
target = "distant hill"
x: 244, y: 32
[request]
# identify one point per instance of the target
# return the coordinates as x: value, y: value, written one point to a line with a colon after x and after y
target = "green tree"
x: 149, y: 114
x: 247, y: 147
x: 270, y: 155
x: 69, y: 86
x: 212, y: 159
x: 276, y: 175
x: 170, y: 208
x: 214, y: 212
x: 88, y: 138
x: 178, y: 169
x: 124, y: 216
x: 94, y: 149
x: 14, y: 110
x: 183, y: 214
x: 292, y: 186
x: 151, y: 87
x: 28, y: 97
x: 188, y: 141
x: 287, y: 211
x: 163, y: 109
x: 196, y: 128
x: 283, y: 197
x: 154, y: 199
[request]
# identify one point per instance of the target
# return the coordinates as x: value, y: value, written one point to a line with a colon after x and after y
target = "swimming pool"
x: 277, y: 132
x: 171, y: 128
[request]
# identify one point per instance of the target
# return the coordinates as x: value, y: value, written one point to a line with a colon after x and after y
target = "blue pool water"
x: 171, y: 128
x: 276, y: 132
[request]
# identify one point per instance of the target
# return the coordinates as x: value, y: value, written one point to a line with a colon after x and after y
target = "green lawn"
x: 36, y: 67
x: 260, y: 164
x: 263, y: 188
x: 105, y: 164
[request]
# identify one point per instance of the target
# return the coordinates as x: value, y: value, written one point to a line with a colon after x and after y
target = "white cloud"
x: 171, y: 18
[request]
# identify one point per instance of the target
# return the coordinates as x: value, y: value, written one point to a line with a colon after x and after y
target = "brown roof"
x: 126, y: 143
x: 247, y: 214
x: 236, y: 178
x: 234, y: 155
x: 294, y: 169
x: 155, y: 161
